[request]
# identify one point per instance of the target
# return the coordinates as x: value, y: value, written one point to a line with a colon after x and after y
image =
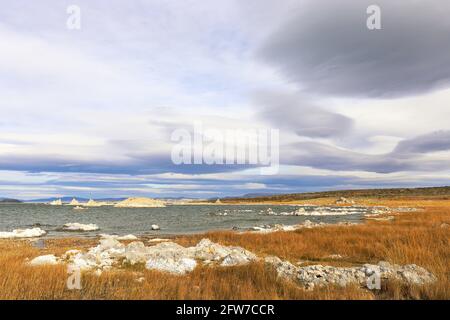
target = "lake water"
x: 174, y: 219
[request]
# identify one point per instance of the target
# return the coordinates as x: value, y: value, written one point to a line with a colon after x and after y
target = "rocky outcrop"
x: 93, y: 203
x: 177, y: 265
x: 343, y: 200
x: 74, y: 202
x: 124, y: 237
x: 173, y: 258
x: 307, y: 224
x: 319, y: 211
x: 57, y: 202
x: 23, y: 233
x: 273, y: 228
x: 48, y: 259
x: 140, y: 203
x: 166, y: 256
x: 317, y: 275
x: 158, y: 240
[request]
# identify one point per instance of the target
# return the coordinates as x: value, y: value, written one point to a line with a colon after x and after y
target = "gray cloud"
x: 409, y: 155
x: 328, y: 49
x: 436, y: 141
x: 323, y: 156
x: 298, y: 114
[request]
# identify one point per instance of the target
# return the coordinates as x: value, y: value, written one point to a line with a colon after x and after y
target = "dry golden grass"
x: 411, y: 238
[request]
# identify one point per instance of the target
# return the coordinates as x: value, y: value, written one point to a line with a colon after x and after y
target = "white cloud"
x: 102, y: 102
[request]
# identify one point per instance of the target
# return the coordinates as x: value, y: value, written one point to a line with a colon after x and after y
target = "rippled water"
x: 172, y: 219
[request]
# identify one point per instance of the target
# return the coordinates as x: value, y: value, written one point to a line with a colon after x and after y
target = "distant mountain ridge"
x: 9, y: 200
x: 68, y: 199
x: 81, y: 199
x: 403, y: 193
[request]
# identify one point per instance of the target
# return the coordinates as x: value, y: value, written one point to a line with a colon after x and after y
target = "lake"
x: 173, y: 219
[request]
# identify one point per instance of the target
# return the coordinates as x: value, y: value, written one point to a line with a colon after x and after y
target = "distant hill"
x: 399, y: 193
x: 8, y: 200
x: 260, y: 194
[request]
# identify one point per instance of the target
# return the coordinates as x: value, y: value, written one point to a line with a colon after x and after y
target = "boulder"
x: 113, y: 236
x: 136, y: 252
x: 318, y: 275
x: 172, y: 265
x: 80, y: 227
x: 49, y: 259
x: 23, y: 233
x: 238, y: 257
x: 158, y: 240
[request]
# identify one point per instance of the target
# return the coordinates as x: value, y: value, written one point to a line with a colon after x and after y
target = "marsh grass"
x: 419, y: 237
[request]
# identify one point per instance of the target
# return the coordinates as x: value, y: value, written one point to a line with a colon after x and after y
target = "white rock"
x: 80, y: 227
x: 57, y: 202
x: 155, y: 227
x: 125, y: 237
x: 107, y: 244
x: 277, y: 227
x: 175, y: 266
x: 93, y: 203
x: 74, y: 202
x: 321, y: 211
x: 23, y: 233
x: 208, y: 250
x: 49, y: 259
x: 237, y: 258
x: 82, y: 262
x: 164, y: 256
x: 318, y: 275
x: 158, y: 240
x: 284, y: 269
x: 136, y: 252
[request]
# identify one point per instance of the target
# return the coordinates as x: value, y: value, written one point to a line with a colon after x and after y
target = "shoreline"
x: 397, y: 245
x: 237, y: 219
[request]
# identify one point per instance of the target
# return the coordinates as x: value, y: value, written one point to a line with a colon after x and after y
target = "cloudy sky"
x: 90, y: 112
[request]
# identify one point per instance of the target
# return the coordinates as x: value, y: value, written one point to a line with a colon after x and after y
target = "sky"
x: 91, y: 112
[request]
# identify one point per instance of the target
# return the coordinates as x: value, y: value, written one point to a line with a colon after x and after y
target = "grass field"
x: 417, y: 237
